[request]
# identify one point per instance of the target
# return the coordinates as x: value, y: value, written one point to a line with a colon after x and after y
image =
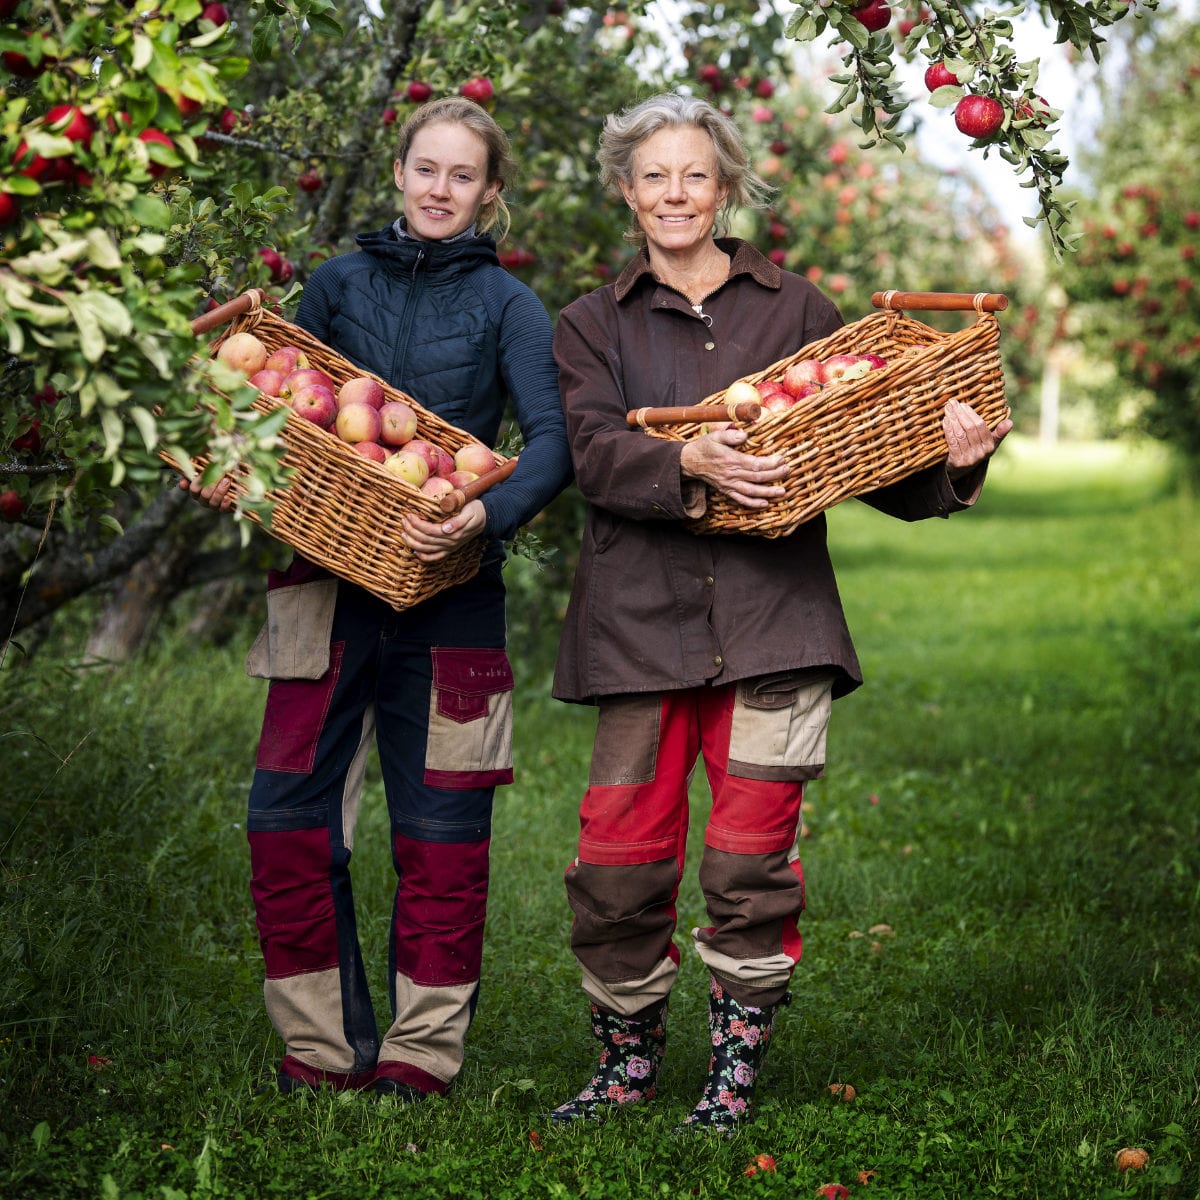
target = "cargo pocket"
x: 779, y: 726
x: 295, y: 716
x: 294, y: 641
x: 469, y: 744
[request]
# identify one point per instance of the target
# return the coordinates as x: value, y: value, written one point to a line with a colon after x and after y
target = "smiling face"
x: 675, y: 191
x: 444, y: 180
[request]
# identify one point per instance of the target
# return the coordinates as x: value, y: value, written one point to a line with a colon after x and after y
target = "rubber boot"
x: 631, y: 1052
x: 740, y: 1037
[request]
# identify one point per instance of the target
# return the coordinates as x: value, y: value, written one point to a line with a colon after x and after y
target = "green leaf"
x: 145, y: 424
x: 113, y: 429
x: 325, y: 25
x: 947, y: 96
x: 265, y: 39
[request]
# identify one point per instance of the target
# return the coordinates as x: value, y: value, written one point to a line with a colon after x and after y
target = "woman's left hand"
x: 432, y: 541
x: 968, y: 439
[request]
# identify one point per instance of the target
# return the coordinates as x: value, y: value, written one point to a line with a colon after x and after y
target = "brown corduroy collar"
x: 744, y: 260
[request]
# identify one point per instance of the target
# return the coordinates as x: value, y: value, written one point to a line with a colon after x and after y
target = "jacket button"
x: 710, y: 345
x: 709, y: 581
x: 717, y: 660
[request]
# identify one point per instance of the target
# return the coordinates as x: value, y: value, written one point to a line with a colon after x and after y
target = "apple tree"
x: 965, y: 49
x: 1134, y: 283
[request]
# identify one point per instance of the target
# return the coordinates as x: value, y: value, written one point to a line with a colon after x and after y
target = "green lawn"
x: 1013, y: 796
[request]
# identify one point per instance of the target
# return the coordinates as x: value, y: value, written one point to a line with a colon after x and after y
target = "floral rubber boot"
x: 631, y: 1052
x: 740, y: 1037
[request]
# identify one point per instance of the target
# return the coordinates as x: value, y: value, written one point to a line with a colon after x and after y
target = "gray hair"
x: 624, y: 132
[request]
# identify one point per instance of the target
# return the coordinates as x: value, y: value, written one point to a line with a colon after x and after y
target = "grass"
x: 1013, y: 795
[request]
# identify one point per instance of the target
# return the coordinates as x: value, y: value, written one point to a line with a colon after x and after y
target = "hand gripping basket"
x: 858, y: 435
x: 339, y: 509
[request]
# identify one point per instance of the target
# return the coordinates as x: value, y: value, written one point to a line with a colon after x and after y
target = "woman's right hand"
x: 750, y: 479
x: 215, y: 495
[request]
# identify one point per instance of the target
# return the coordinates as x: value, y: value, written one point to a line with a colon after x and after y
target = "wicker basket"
x: 859, y: 435
x: 339, y: 509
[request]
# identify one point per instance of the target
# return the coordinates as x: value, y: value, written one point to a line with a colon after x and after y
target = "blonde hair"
x: 501, y: 165
x: 624, y: 132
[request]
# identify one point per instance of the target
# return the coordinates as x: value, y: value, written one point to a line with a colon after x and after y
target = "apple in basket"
x: 801, y: 373
x: 358, y: 423
x: 474, y: 457
x: 774, y: 398
x: 442, y: 461
x: 316, y: 404
x: 461, y: 478
x: 842, y: 368
x: 304, y: 377
x: 362, y: 389
x: 399, y: 423
x: 437, y: 486
x: 372, y: 450
x: 244, y: 352
x: 287, y: 359
x: 269, y: 382
x: 409, y: 466
x: 742, y: 392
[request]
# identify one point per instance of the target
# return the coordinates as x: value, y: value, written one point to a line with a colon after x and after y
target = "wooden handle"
x: 746, y: 411
x: 227, y: 311
x: 941, y: 301
x: 453, y: 501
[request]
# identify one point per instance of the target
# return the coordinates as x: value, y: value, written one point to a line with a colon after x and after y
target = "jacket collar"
x: 744, y: 260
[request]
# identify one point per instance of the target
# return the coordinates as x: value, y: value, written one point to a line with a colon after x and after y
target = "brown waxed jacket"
x: 655, y: 607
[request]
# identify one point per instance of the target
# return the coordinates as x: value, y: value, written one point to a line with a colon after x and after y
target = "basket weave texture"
x: 860, y: 435
x: 341, y: 510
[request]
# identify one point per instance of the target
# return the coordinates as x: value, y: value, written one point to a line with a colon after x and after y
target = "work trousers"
x: 432, y: 686
x: 760, y: 739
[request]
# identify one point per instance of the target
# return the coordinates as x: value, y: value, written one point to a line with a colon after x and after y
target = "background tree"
x: 176, y: 154
x: 1134, y: 283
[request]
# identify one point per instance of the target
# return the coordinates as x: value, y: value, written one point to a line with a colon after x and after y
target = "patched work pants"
x: 433, y: 686
x: 760, y: 740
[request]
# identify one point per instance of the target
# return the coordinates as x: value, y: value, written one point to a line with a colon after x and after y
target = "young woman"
x: 424, y: 304
x: 727, y: 647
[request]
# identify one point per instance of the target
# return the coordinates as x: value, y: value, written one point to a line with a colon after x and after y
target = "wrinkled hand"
x: 432, y: 541
x: 216, y: 495
x: 750, y: 479
x: 968, y: 439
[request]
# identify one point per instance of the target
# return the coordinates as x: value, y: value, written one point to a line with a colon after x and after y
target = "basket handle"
x: 746, y: 411
x: 451, y: 502
x: 227, y: 311
x: 941, y: 301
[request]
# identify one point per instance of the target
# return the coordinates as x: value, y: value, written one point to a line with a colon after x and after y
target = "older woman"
x: 728, y: 647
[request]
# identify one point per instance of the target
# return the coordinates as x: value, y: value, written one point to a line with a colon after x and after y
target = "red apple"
x: 388, y: 116
x: 70, y: 122
x: 287, y: 359
x: 460, y: 479
x: 244, y: 352
x: 399, y: 423
x: 877, y: 361
x: 357, y: 422
x: 874, y: 15
x: 217, y: 13
x: 11, y: 504
x: 316, y: 404
x: 939, y: 75
x: 31, y: 439
x: 760, y: 114
x: 309, y: 181
x: 409, y: 466
x: 764, y: 89
x: 10, y: 210
x: 979, y: 117
x: 280, y: 268
x: 437, y: 486
x: 442, y: 461
x: 841, y: 368
x: 801, y: 373
x: 427, y: 450
x: 372, y: 450
x: 474, y: 457
x: 156, y: 137
x: 269, y: 382
x: 478, y: 89
x: 362, y: 389
x: 304, y: 377
x: 418, y: 91
x: 230, y: 120
x: 774, y: 402
x: 805, y: 390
